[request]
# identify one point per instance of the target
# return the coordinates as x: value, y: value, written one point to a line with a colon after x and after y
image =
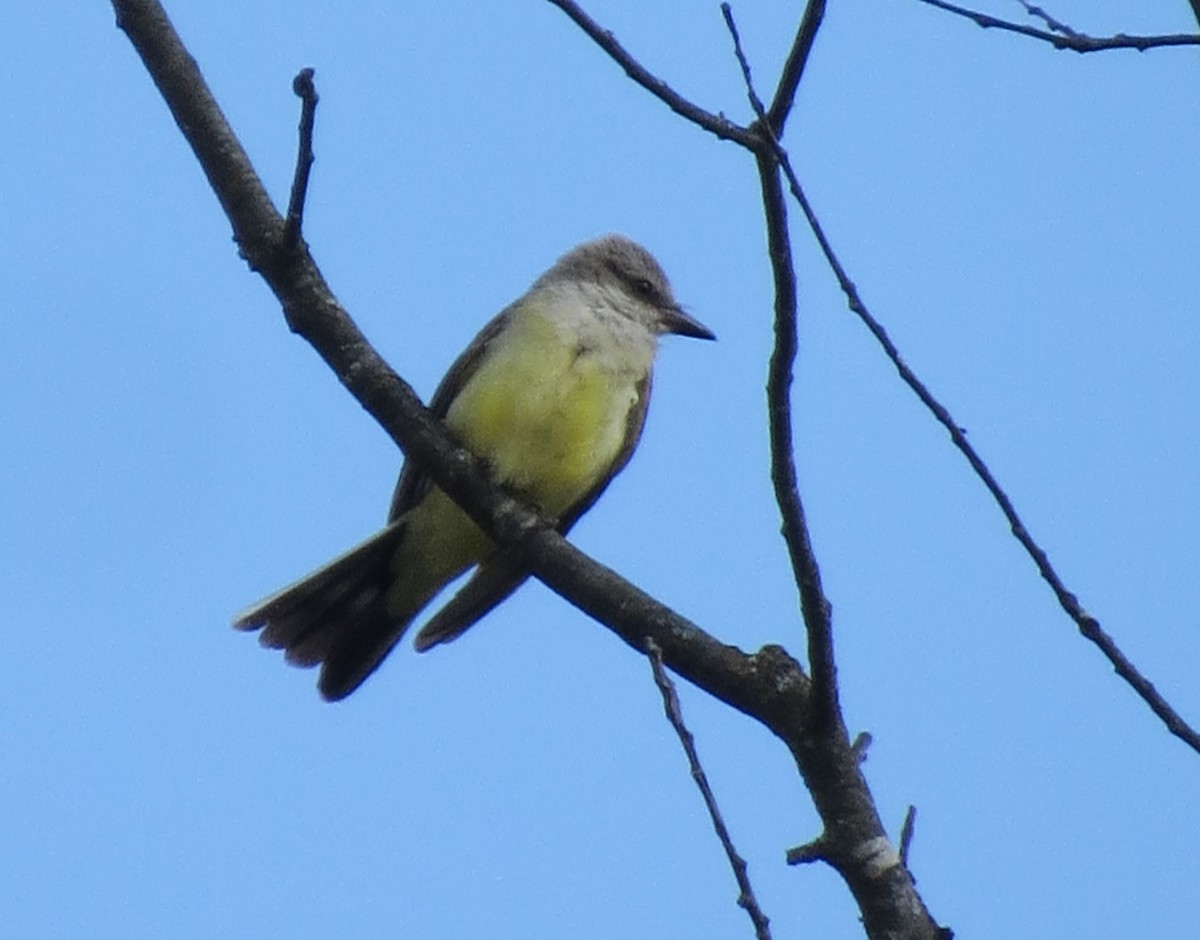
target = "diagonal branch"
x: 1076, y: 42
x: 768, y: 686
x: 746, y: 896
x: 784, y: 476
x: 1088, y: 625
x: 793, y: 67
x: 714, y: 123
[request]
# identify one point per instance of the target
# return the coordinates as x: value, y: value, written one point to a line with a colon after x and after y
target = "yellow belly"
x: 548, y: 416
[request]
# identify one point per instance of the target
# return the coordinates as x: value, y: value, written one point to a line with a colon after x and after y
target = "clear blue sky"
x: 1025, y: 222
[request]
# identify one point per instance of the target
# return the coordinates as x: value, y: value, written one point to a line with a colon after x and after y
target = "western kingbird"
x: 552, y: 395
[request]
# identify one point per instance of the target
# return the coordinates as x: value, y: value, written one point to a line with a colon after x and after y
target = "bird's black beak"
x: 675, y: 320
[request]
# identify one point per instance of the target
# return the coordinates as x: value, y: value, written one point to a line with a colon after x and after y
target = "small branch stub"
x: 906, y: 834
x: 306, y: 91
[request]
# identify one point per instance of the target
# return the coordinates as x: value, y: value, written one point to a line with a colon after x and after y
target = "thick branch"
x: 769, y: 686
x: 793, y: 68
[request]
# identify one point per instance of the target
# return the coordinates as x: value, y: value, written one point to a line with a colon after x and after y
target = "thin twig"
x: 1054, y: 25
x: 755, y: 102
x: 306, y: 91
x: 813, y: 603
x: 1076, y: 42
x: 746, y: 898
x: 714, y: 123
x: 1088, y: 625
x: 906, y: 834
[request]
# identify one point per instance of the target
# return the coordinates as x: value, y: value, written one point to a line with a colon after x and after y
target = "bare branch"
x: 199, y: 117
x: 746, y: 898
x: 1087, y: 624
x: 814, y: 606
x: 1050, y: 21
x: 769, y: 686
x: 793, y: 67
x: 304, y: 88
x: 714, y: 123
x: 1076, y: 42
x: 815, y: 851
x: 853, y: 842
x: 907, y: 831
x: 756, y: 104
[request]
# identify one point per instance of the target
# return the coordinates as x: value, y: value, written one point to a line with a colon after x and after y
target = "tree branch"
x: 746, y: 898
x: 714, y: 123
x: 805, y: 570
x: 1088, y: 625
x: 306, y: 90
x: 907, y: 829
x: 793, y: 67
x: 768, y: 686
x: 1051, y: 23
x: 853, y: 841
x: 1076, y: 42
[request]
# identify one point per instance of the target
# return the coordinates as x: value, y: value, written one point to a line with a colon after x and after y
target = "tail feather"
x: 335, y: 616
x: 313, y: 641
x: 357, y: 652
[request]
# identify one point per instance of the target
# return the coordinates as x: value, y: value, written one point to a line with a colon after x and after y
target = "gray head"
x: 617, y: 263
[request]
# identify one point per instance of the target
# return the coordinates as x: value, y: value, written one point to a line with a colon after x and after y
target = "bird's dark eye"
x: 644, y: 288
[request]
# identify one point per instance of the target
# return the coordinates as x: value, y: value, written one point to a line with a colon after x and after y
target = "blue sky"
x: 1023, y: 221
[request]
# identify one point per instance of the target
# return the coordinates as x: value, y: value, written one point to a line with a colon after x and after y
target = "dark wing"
x: 493, y: 581
x: 503, y: 573
x: 414, y: 482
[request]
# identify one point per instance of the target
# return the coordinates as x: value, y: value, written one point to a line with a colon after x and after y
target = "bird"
x: 552, y: 396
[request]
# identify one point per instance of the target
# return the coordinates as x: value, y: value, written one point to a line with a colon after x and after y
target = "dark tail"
x: 336, y: 617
